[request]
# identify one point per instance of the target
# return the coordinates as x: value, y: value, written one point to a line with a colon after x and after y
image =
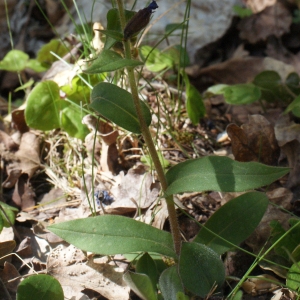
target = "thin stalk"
x: 149, y: 141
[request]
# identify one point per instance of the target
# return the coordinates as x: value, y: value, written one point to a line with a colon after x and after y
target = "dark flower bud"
x: 139, y: 21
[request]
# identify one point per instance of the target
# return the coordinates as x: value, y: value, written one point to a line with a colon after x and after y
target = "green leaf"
x: 118, y: 36
x: 44, y: 55
x: 294, y: 107
x: 71, y: 122
x: 287, y: 244
x: 10, y: 212
x: 270, y: 85
x: 241, y: 94
x: 242, y: 12
x: 109, y: 235
x: 146, y: 265
x: 43, y: 106
x: 113, y: 24
x: 170, y: 283
x: 156, y: 60
x: 174, y: 26
x: 214, y: 173
x: 37, y: 287
x: 141, y: 285
x: 200, y: 269
x: 46, y: 110
x: 293, y: 277
x: 14, y: 61
x: 117, y: 105
x: 194, y: 102
x: 234, y: 221
x: 110, y: 61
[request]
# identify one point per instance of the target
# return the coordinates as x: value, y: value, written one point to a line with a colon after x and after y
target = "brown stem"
x: 149, y: 141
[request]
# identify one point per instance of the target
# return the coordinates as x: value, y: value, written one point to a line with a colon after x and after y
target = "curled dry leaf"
x: 254, y: 141
x: 274, y: 20
x: 288, y: 136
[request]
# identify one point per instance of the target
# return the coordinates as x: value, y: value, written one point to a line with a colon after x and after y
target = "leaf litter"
x: 50, y: 176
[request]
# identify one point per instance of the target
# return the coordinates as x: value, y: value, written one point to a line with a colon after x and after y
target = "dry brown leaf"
x: 274, y: 20
x: 132, y: 190
x: 10, y: 277
x: 259, y: 5
x: 254, y: 141
x: 71, y: 268
x: 288, y: 136
x: 232, y: 71
x: 18, y: 119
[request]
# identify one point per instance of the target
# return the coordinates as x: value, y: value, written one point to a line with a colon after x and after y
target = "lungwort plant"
x: 196, y: 267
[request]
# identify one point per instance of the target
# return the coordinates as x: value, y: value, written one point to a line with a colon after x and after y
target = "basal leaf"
x: 200, y: 269
x: 117, y: 105
x: 170, y: 283
x: 37, y: 287
x: 14, y: 61
x: 141, y: 285
x: 43, y: 106
x: 109, y: 235
x: 241, y: 94
x: 214, y: 173
x: 234, y: 221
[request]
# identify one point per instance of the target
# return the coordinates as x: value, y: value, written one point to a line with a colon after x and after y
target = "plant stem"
x: 149, y: 141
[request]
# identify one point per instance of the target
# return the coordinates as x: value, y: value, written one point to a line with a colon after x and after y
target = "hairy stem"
x: 149, y: 141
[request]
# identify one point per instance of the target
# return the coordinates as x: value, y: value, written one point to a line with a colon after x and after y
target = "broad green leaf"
x: 234, y: 221
x: 200, y: 269
x: 293, y: 277
x: 46, y: 110
x: 270, y: 85
x: 241, y: 94
x: 71, y: 122
x: 14, y: 61
x: 10, y: 212
x: 37, y: 287
x: 292, y: 81
x: 109, y: 60
x: 170, y: 283
x: 268, y: 80
x: 44, y: 55
x: 215, y: 173
x: 285, y: 244
x: 194, y: 102
x: 141, y: 285
x: 43, y: 106
x: 146, y: 265
x: 117, y: 105
x: 217, y: 89
x: 294, y: 107
x: 156, y: 60
x: 35, y: 65
x: 109, y: 235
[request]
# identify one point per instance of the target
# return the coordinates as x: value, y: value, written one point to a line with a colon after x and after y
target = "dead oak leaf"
x: 254, y: 141
x: 274, y: 20
x: 75, y: 273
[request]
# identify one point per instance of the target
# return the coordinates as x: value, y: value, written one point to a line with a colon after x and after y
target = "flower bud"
x: 139, y: 21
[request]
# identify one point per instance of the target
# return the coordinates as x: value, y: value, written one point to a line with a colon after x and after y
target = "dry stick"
x: 148, y: 139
